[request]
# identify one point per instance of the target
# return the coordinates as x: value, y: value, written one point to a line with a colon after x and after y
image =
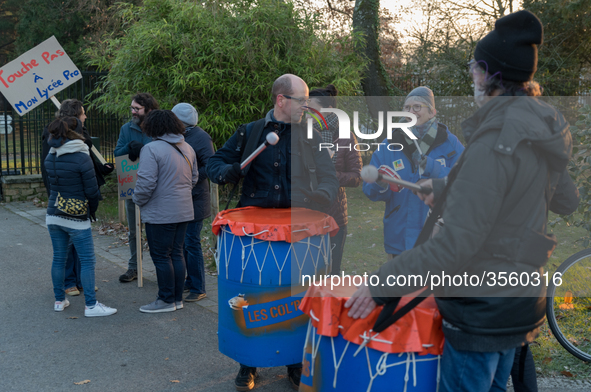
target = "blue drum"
x: 345, y: 355
x: 262, y: 255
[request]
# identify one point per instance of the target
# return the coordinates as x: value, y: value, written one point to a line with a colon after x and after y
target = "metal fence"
x: 20, y: 136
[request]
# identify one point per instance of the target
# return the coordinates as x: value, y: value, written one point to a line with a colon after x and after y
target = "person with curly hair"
x: 166, y: 176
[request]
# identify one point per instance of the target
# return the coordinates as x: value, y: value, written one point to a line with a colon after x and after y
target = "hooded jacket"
x: 165, y: 180
x: 405, y: 213
x: 70, y: 173
x: 99, y: 169
x: 495, y: 220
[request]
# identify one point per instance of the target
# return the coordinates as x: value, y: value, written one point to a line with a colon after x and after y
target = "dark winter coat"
x: 495, y: 218
x: 348, y: 168
x: 129, y: 131
x: 277, y: 176
x: 99, y: 169
x: 70, y: 173
x: 203, y: 146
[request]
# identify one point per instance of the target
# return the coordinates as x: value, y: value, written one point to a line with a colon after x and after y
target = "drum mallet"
x: 370, y: 175
x: 272, y: 139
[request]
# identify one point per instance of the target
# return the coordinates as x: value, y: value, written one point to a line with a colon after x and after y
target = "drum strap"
x: 387, y: 316
x: 308, y: 161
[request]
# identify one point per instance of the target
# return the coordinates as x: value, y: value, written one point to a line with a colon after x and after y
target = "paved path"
x: 41, y: 350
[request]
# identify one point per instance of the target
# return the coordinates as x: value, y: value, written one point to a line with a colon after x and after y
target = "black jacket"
x: 277, y: 176
x: 203, y: 146
x: 495, y: 217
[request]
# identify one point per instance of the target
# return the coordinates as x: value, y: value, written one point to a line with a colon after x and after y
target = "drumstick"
x: 370, y: 174
x: 272, y: 139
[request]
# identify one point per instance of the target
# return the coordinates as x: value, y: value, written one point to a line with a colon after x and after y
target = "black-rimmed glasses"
x: 300, y: 101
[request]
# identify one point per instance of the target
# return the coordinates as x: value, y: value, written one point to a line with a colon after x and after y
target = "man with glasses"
x: 271, y: 181
x: 131, y: 140
x: 431, y: 155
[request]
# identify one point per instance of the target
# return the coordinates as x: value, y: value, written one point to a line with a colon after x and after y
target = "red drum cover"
x: 276, y: 224
x: 419, y: 331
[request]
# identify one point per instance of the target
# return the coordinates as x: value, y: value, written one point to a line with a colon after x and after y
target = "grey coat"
x: 165, y: 181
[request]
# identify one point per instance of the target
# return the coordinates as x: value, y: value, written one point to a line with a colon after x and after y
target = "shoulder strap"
x: 179, y: 150
x: 387, y: 316
x: 309, y: 163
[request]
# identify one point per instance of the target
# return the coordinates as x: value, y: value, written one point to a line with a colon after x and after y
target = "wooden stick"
x: 138, y: 244
x: 121, y: 208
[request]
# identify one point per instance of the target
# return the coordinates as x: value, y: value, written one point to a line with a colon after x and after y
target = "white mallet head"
x: 369, y: 174
x: 272, y: 138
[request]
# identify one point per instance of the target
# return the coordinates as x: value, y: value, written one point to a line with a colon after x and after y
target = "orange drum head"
x: 275, y: 224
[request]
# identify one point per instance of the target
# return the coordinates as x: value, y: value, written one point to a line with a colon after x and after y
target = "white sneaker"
x: 60, y: 306
x: 179, y: 305
x: 99, y: 310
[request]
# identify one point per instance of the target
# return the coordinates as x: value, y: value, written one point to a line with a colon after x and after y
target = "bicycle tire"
x: 550, y: 314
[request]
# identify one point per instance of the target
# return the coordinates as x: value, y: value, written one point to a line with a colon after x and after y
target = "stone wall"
x: 20, y: 188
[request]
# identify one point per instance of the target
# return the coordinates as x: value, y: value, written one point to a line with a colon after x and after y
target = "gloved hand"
x: 319, y: 196
x: 92, y: 217
x: 134, y: 148
x: 388, y: 171
x: 107, y: 168
x: 233, y: 173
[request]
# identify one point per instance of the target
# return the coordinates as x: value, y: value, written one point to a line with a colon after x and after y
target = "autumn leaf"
x: 174, y: 381
x: 566, y: 373
x: 546, y: 360
x: 73, y: 317
x: 82, y: 382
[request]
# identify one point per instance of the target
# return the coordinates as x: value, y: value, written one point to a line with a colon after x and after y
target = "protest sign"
x: 126, y: 176
x: 37, y: 75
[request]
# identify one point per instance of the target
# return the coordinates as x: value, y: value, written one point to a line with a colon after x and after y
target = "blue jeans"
x: 194, y: 258
x: 72, y: 270
x: 166, y: 248
x: 470, y: 371
x: 61, y: 239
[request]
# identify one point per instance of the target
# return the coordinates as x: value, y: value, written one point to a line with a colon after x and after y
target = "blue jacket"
x: 129, y: 131
x: 405, y: 213
x: 269, y: 181
x: 70, y: 172
x: 203, y: 146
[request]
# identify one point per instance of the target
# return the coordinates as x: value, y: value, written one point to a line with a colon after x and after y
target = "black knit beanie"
x: 512, y: 47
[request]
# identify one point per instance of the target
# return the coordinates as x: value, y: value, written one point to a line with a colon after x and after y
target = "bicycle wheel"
x: 568, y: 305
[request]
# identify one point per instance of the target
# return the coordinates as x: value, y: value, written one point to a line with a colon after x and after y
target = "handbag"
x: 71, y: 207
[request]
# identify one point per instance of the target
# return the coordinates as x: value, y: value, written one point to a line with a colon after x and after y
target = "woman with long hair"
x: 72, y: 202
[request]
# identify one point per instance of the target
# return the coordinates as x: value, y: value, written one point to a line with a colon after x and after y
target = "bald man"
x: 271, y: 181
